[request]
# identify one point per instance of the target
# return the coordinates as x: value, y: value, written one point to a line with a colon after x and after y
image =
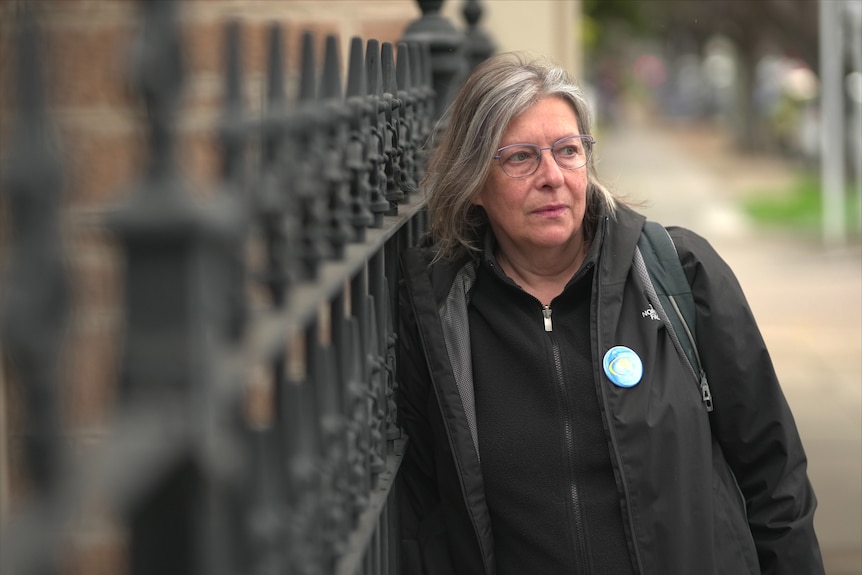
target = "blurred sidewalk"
x: 807, y: 300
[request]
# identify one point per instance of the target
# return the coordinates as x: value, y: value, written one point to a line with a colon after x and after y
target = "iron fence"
x: 255, y: 429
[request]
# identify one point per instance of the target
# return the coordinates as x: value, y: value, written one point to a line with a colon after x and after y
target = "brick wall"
x: 95, y: 113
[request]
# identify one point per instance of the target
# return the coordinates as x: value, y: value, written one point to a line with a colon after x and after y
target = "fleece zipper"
x: 568, y: 436
x: 577, y: 517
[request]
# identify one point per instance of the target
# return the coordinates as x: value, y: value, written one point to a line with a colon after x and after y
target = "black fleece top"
x: 549, y: 482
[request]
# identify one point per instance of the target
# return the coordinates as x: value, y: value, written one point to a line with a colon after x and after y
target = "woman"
x: 526, y: 455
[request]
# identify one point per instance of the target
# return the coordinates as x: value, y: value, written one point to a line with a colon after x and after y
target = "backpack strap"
x: 657, y: 263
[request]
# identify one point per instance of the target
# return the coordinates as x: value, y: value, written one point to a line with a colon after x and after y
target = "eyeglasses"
x: 522, y: 160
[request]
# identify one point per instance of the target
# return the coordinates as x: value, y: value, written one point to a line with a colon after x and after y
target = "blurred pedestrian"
x: 527, y: 451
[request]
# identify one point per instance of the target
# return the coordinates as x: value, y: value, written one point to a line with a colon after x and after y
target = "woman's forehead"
x: 549, y: 116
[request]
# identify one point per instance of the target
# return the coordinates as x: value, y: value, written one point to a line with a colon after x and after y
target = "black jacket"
x: 725, y: 493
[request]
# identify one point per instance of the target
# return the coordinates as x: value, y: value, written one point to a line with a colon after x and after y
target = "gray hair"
x: 499, y: 89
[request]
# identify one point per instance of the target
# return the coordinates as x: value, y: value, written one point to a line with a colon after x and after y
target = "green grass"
x: 798, y: 209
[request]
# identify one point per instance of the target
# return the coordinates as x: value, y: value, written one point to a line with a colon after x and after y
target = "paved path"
x: 807, y: 300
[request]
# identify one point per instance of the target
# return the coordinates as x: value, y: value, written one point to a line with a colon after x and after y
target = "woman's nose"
x: 549, y: 170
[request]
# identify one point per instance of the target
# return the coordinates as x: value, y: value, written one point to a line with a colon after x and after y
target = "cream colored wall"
x: 546, y: 27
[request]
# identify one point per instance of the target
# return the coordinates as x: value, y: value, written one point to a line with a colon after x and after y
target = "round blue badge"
x: 623, y: 366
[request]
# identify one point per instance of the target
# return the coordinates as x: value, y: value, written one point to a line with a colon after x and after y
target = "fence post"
x: 478, y: 46
x: 307, y: 139
x: 446, y: 44
x: 165, y: 238
x: 380, y: 145
x: 335, y: 129
x: 360, y: 148
x: 275, y: 205
x: 35, y: 302
x: 394, y: 109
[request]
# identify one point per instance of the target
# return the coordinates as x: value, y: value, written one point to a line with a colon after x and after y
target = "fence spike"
x: 377, y: 202
x: 373, y: 69
x: 231, y: 129
x: 334, y: 126
x: 275, y: 66
x: 358, y: 154
x: 407, y: 127
x: 402, y: 67
x: 307, y: 82
x: 330, y: 81
x: 233, y: 205
x: 415, y: 66
x: 387, y: 60
x: 309, y: 142
x: 272, y: 201
x: 356, y: 81
x: 393, y: 148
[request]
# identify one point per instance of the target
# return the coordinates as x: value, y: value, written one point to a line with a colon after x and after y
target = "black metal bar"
x: 305, y: 504
x: 335, y: 129
x: 35, y: 304
x: 359, y: 543
x: 360, y: 405
x: 233, y: 208
x: 380, y: 144
x: 381, y: 379
x: 223, y: 544
x: 308, y: 149
x: 334, y: 426
x: 273, y: 205
x: 406, y: 119
x: 360, y: 147
x: 392, y: 111
x: 164, y: 237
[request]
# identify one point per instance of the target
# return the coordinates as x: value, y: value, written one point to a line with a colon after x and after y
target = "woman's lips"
x: 550, y: 211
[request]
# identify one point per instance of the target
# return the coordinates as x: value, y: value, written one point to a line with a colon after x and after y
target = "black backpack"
x: 657, y: 263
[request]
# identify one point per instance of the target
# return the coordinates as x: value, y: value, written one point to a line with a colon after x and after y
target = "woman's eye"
x: 520, y: 156
x: 570, y: 150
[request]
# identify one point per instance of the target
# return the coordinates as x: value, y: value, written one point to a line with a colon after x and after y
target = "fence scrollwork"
x: 255, y: 429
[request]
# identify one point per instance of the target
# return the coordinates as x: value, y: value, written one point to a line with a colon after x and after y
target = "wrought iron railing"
x: 255, y: 428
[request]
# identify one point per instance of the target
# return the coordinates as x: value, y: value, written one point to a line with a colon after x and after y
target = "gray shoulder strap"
x: 657, y: 262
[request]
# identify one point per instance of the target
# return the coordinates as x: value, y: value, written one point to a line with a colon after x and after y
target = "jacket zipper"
x: 568, y: 432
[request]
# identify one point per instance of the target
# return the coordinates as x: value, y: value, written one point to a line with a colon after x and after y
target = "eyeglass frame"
x: 586, y: 138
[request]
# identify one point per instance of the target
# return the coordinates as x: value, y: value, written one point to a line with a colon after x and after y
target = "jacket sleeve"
x: 422, y: 542
x: 752, y: 421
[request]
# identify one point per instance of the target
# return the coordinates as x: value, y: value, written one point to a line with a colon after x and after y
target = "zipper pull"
x: 546, y: 312
x: 705, y: 394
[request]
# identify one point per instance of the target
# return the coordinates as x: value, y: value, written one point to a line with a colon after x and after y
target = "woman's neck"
x: 543, y: 275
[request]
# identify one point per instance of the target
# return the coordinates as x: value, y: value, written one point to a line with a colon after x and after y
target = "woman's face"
x: 545, y: 209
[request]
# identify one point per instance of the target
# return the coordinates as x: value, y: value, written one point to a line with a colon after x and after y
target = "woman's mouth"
x: 551, y: 211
